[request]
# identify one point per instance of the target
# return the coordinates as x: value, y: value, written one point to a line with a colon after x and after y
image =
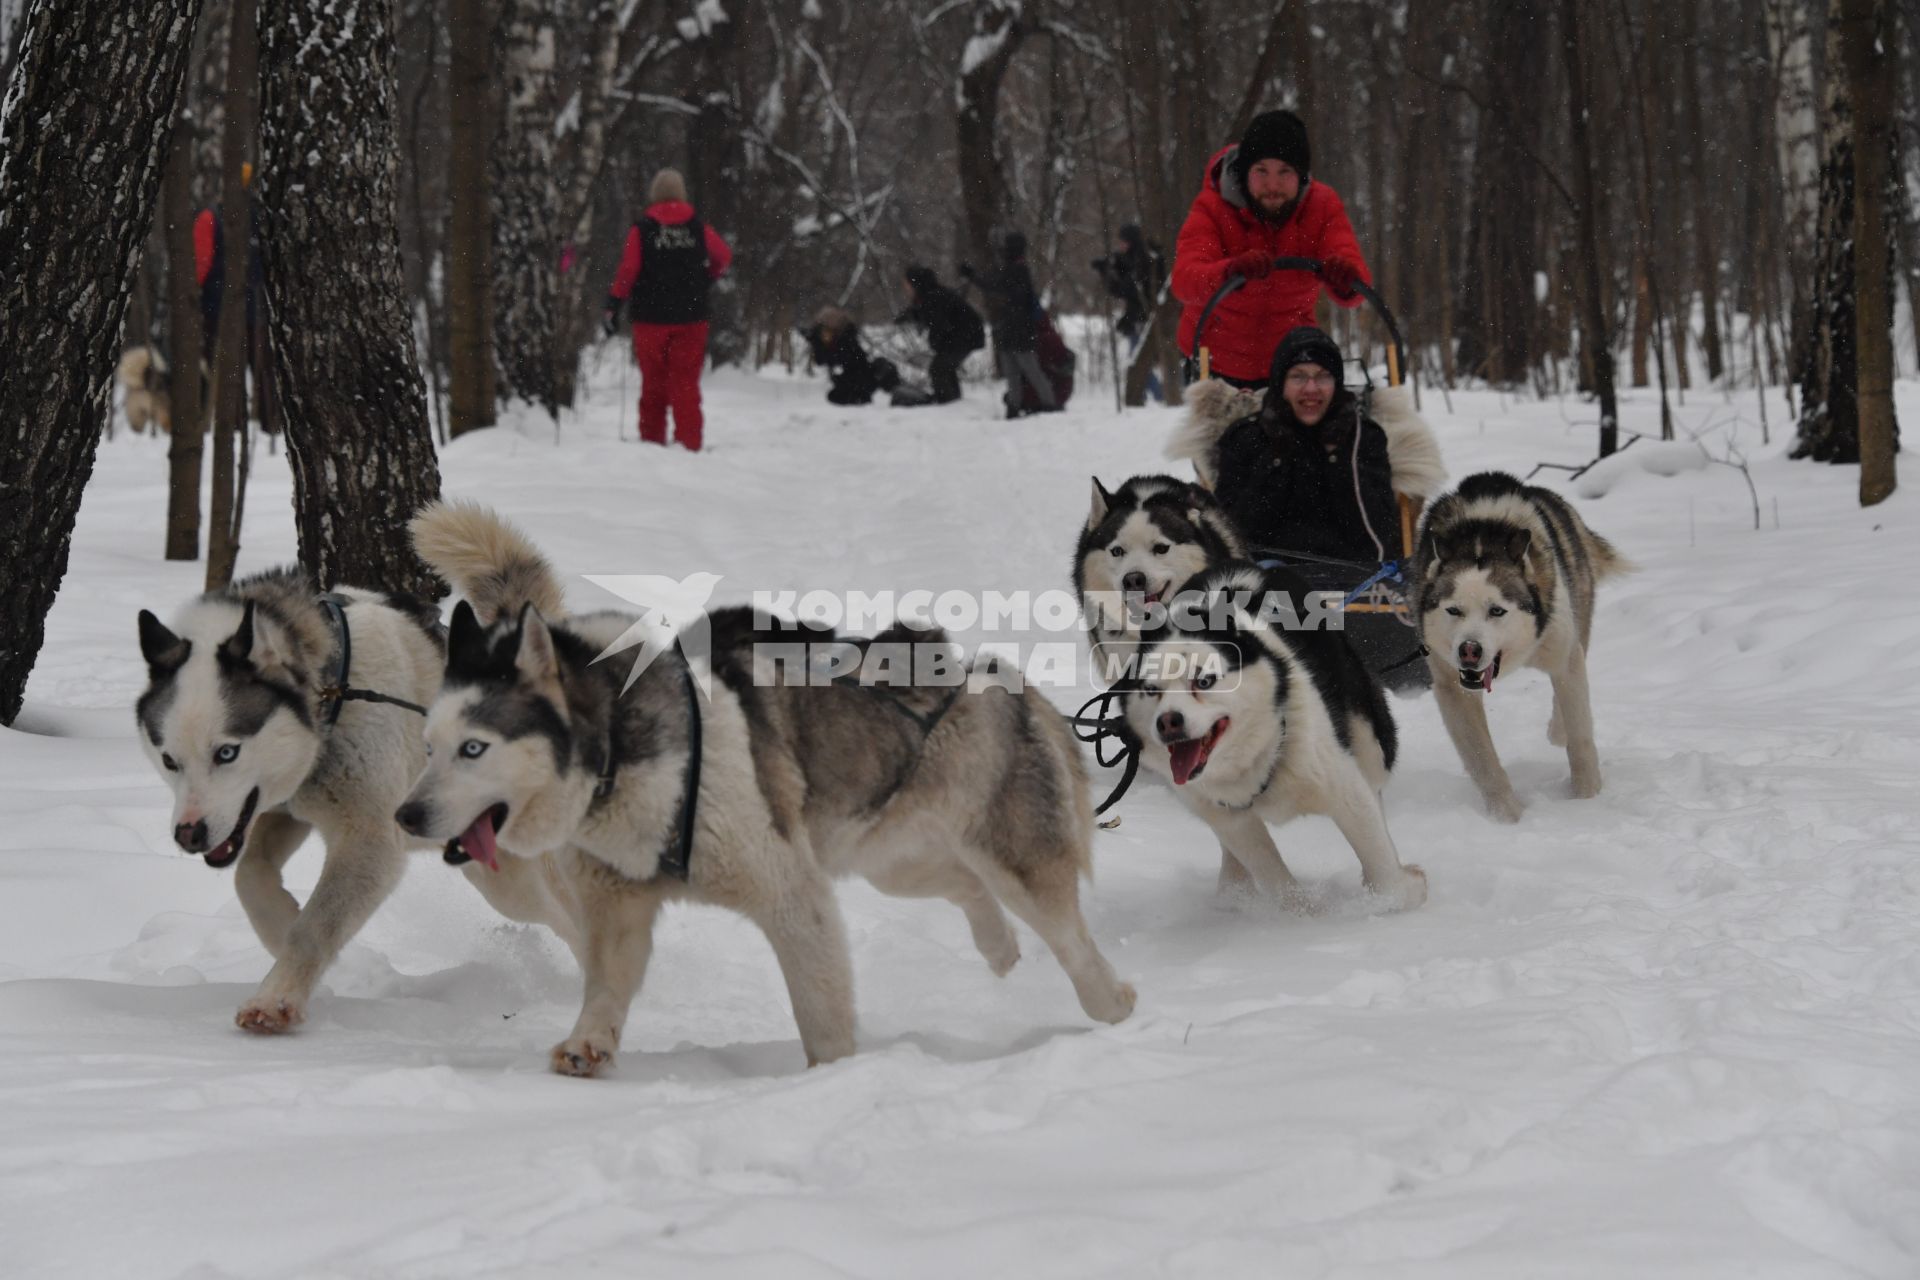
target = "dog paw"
x: 1111, y: 1006
x: 1586, y: 787
x: 1405, y: 893
x: 1001, y: 958
x: 1506, y: 808
x: 269, y: 1015
x: 581, y: 1056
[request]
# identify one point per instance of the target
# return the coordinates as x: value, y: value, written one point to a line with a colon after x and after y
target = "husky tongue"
x: 477, y: 840
x: 1187, y: 756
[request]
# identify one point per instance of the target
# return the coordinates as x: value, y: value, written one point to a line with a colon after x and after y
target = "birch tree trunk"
x: 85, y: 122
x: 1828, y: 374
x: 352, y: 397
x: 592, y: 117
x: 526, y: 205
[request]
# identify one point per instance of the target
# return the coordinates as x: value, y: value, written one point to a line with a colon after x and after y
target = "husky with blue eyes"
x: 1257, y: 711
x: 273, y: 711
x: 1504, y: 577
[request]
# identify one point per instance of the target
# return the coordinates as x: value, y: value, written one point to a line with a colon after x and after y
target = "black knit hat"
x: 1130, y: 233
x: 922, y: 278
x: 1013, y: 246
x: 1306, y: 345
x: 1275, y: 135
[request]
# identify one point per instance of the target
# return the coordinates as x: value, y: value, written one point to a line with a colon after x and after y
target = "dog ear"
x: 466, y: 640
x: 237, y: 649
x: 536, y: 659
x: 1443, y: 550
x: 1102, y: 503
x: 163, y: 650
x: 1519, y: 542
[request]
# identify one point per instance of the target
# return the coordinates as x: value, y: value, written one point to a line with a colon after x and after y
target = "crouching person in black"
x: 1309, y: 473
x: 954, y: 329
x: 834, y: 340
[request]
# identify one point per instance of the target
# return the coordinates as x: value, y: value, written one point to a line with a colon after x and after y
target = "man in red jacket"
x: 671, y: 261
x: 1259, y: 203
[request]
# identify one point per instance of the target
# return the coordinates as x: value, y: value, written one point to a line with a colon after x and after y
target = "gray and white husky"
x: 1257, y: 715
x: 244, y: 718
x: 1504, y: 575
x: 595, y: 807
x: 1140, y: 542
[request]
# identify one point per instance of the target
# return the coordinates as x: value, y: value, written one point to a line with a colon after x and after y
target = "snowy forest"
x: 279, y: 276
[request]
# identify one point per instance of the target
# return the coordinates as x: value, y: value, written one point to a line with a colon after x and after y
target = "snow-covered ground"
x: 1674, y: 1031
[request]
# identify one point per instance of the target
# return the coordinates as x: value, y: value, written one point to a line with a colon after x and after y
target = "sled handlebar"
x: 1396, y: 349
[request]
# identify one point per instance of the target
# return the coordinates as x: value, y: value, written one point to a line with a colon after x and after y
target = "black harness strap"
x: 338, y: 692
x: 1098, y: 729
x: 676, y: 857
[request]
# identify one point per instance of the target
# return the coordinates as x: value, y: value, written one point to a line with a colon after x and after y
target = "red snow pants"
x: 670, y: 357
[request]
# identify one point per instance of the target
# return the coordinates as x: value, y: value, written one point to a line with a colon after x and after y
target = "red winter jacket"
x: 1246, y: 327
x: 667, y: 213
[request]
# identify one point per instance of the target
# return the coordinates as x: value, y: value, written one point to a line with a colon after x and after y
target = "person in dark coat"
x: 1014, y: 310
x: 834, y: 340
x: 954, y: 329
x: 1132, y: 274
x: 1309, y: 473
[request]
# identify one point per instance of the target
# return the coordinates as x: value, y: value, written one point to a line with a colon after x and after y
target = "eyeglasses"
x: 1301, y: 380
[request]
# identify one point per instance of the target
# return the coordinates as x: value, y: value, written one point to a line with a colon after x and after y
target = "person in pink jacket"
x: 671, y: 261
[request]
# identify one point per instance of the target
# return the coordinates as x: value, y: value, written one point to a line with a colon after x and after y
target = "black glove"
x: 966, y: 271
x: 610, y: 321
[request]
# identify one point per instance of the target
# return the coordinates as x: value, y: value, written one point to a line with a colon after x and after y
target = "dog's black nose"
x: 191, y: 836
x: 412, y: 817
x: 1135, y: 581
x: 1171, y: 724
x: 1471, y: 653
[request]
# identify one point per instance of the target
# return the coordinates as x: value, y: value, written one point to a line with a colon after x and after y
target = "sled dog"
x: 1256, y: 714
x: 262, y: 712
x: 1504, y: 576
x: 603, y: 805
x: 1140, y: 542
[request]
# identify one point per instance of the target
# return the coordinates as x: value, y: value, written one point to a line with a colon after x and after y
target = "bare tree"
x: 85, y: 122
x: 999, y: 29
x: 526, y: 204
x: 1866, y: 43
x: 470, y: 249
x: 234, y: 345
x: 355, y: 405
x: 185, y: 448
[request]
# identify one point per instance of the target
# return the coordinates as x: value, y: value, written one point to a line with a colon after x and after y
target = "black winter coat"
x: 1012, y: 305
x: 953, y: 326
x: 1291, y: 487
x: 856, y: 376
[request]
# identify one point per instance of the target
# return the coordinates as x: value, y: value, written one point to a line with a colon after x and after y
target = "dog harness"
x: 338, y: 692
x: 676, y: 856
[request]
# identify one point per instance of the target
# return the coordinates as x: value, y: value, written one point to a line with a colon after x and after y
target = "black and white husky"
x: 256, y: 715
x: 1257, y: 712
x: 592, y: 804
x: 1504, y: 575
x: 1139, y: 543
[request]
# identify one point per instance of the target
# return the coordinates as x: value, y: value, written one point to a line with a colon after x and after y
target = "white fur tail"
x: 1418, y: 469
x: 487, y: 559
x: 1212, y: 407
